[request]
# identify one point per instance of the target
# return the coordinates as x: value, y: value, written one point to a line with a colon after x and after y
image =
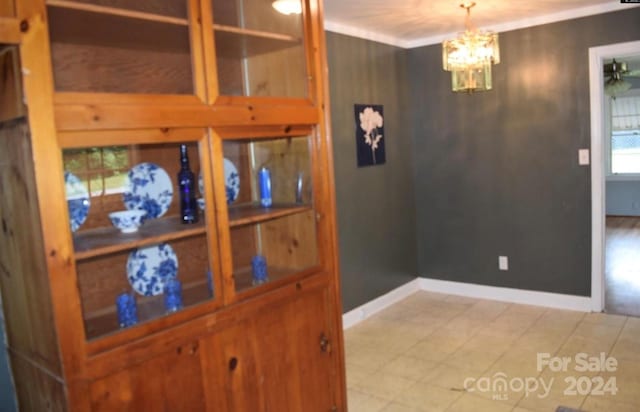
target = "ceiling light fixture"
x: 469, y: 57
x: 287, y: 7
x: 615, y: 84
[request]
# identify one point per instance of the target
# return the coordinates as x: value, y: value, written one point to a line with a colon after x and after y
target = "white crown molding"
x: 514, y: 25
x: 362, y: 34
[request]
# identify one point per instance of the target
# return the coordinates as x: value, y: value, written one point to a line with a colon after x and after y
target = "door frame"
x: 597, y: 55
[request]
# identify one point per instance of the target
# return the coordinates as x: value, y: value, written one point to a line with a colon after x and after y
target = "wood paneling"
x: 11, y: 105
x: 7, y: 9
x: 291, y: 241
x: 173, y: 8
x: 170, y: 382
x: 102, y: 53
x: 9, y: 30
x: 273, y: 360
x: 36, y: 390
x: 23, y: 275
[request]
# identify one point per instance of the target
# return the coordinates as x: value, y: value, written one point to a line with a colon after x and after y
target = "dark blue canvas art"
x: 369, y: 134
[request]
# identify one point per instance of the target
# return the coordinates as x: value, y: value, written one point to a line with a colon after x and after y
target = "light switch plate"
x: 583, y: 157
x: 503, y: 263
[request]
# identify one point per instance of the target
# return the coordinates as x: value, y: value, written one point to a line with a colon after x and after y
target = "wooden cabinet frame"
x: 39, y: 284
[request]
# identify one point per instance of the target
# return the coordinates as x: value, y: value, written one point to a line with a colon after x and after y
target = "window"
x: 625, y: 134
x: 102, y: 169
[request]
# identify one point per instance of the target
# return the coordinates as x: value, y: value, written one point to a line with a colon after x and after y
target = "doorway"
x: 598, y: 56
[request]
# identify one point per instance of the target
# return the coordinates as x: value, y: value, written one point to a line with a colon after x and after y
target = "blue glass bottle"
x: 186, y: 187
x: 264, y: 183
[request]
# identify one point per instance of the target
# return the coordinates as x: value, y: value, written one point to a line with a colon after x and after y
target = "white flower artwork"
x: 369, y: 134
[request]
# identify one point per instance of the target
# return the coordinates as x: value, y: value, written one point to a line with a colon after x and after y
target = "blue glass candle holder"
x: 259, y: 269
x: 127, y: 310
x: 172, y: 295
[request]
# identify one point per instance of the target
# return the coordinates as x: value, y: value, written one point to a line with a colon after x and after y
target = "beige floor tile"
x: 603, y: 332
x: 423, y: 296
x: 516, y: 364
x: 427, y: 398
x: 451, y: 378
x: 436, y: 347
x: 463, y: 300
x: 575, y: 345
x: 486, y: 310
x: 463, y: 326
x: 370, y: 358
x: 607, y: 404
x: 473, y: 358
x: 472, y: 403
x: 532, y: 310
x: 605, y: 318
x: 383, y: 386
x: 355, y: 374
x: 626, y: 348
x: 362, y: 402
x: 396, y: 407
x: 540, y: 339
x: 556, y: 318
x: 416, y: 355
x: 549, y: 404
x: 630, y: 333
x: 410, y: 368
x: 493, y: 342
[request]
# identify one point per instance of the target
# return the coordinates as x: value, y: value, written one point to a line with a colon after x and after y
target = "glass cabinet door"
x: 270, y: 207
x: 259, y: 51
x: 121, y: 46
x: 139, y: 232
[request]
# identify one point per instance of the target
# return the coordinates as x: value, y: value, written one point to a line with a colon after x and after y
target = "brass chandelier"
x: 469, y: 57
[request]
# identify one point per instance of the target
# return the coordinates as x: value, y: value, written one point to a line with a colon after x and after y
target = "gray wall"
x: 623, y: 198
x: 376, y: 216
x: 497, y: 173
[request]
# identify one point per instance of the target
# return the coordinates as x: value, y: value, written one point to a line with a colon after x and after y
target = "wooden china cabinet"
x: 93, y: 92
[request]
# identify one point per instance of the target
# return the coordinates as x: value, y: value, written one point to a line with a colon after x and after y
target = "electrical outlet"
x: 583, y: 157
x: 503, y: 263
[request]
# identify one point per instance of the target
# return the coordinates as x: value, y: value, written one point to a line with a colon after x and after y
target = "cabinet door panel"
x: 273, y: 361
x: 170, y: 382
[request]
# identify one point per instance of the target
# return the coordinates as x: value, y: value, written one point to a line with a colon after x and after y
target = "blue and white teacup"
x: 128, y: 221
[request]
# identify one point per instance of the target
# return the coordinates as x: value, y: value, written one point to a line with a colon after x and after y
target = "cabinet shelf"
x: 103, y: 322
x: 103, y: 241
x: 243, y: 277
x: 114, y: 11
x: 252, y: 213
x: 238, y: 43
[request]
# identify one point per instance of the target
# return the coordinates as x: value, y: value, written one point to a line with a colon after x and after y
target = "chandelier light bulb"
x: 287, y: 7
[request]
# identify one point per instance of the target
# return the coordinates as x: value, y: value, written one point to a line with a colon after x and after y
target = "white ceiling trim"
x: 518, y: 24
x: 363, y: 34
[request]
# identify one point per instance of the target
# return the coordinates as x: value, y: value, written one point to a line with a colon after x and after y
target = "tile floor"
x: 417, y: 355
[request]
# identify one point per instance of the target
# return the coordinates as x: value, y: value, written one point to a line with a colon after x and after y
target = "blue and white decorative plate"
x: 149, y: 267
x: 231, y: 181
x: 77, y: 200
x: 149, y: 188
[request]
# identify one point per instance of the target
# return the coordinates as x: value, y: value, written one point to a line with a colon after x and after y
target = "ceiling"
x: 413, y: 23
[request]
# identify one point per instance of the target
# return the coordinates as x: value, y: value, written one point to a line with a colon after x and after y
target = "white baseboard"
x: 361, y: 313
x: 525, y: 297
